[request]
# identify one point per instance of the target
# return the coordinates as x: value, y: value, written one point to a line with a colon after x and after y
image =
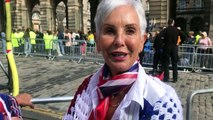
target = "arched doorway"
x: 36, y: 18
x: 172, y: 9
x: 196, y: 24
x: 93, y: 8
x: 181, y: 22
x: 2, y: 16
x: 61, y: 21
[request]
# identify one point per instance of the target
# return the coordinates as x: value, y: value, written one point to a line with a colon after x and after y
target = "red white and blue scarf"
x: 108, y: 86
x: 105, y: 86
x: 8, y: 107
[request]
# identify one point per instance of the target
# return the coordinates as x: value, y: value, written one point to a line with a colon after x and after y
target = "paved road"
x: 45, y: 78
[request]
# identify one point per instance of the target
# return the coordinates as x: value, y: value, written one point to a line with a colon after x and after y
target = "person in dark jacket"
x: 61, y: 41
x: 158, y: 51
x: 170, y: 49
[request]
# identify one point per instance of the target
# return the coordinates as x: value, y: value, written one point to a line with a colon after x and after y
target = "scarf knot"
x: 109, y: 86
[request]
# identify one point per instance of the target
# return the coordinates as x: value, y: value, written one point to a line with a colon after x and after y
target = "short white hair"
x: 105, y: 7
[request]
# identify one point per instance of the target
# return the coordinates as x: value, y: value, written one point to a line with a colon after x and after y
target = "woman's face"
x: 120, y: 39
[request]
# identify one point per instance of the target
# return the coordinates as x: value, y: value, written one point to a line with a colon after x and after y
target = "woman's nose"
x: 119, y: 40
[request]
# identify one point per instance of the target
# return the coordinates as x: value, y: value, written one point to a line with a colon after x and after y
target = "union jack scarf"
x: 8, y: 107
x: 105, y: 87
x: 108, y: 86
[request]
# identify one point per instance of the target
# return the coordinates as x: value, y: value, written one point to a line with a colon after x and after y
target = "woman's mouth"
x: 119, y: 56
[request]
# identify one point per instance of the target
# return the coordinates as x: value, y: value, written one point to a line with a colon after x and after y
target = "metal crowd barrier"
x: 190, y: 98
x: 203, y: 57
x: 186, y: 56
x: 51, y: 100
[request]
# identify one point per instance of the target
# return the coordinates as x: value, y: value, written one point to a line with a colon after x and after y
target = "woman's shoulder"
x: 80, y: 89
x: 84, y: 84
x: 155, y: 82
x: 164, y: 99
x: 155, y: 86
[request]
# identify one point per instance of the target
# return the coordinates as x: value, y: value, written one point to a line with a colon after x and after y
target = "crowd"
x: 166, y: 44
x: 52, y: 42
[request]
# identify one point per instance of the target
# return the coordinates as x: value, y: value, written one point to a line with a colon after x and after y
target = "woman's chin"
x: 118, y: 67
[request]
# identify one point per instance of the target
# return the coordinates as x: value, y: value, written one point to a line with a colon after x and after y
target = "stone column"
x: 19, y: 14
x: 25, y: 18
x: 93, y: 9
x: 86, y: 16
x: 211, y: 21
x: 60, y: 14
x: 47, y: 18
x: 75, y: 22
x: 159, y: 10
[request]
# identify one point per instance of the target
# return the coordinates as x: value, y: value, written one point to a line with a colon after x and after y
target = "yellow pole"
x: 10, y: 56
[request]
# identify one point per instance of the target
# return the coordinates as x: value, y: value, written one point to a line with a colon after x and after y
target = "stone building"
x: 49, y: 14
x: 76, y: 15
x: 195, y: 15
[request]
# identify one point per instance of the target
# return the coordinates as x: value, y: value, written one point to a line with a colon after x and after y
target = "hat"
x: 204, y: 34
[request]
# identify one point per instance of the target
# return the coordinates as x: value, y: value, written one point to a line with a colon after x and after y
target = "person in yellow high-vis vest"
x: 14, y: 40
x: 21, y: 40
x: 48, y: 39
x: 32, y: 40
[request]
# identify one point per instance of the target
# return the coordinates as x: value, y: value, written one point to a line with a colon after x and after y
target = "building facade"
x: 49, y: 14
x: 190, y: 15
x: 196, y: 15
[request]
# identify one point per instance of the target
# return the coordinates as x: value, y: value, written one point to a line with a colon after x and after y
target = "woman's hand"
x: 24, y: 99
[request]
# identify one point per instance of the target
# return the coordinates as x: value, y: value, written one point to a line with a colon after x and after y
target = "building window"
x: 182, y: 4
x: 198, y: 3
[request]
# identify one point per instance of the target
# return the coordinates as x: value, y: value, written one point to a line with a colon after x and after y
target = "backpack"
x: 147, y: 46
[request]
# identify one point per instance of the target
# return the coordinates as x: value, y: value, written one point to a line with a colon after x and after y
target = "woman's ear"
x: 143, y: 39
x: 97, y: 45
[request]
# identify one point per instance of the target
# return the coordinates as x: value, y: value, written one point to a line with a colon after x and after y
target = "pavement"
x: 45, y: 78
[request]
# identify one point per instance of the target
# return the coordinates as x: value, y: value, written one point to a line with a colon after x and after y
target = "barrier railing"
x: 51, y: 100
x: 190, y: 98
x: 203, y: 57
x: 186, y: 56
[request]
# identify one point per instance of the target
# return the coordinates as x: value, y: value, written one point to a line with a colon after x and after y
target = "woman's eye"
x: 130, y: 31
x: 109, y: 31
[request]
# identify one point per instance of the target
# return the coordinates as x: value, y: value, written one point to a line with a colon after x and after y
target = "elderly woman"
x: 121, y: 89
